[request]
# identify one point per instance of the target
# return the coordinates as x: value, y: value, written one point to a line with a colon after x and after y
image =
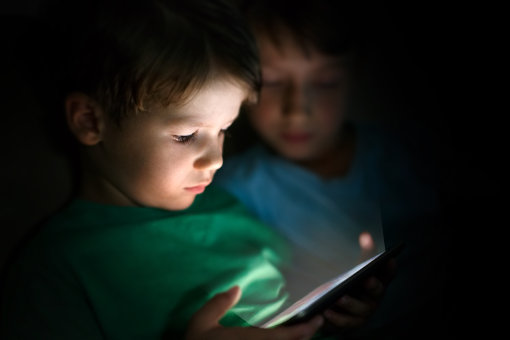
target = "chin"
x: 176, y: 206
x: 296, y: 155
x: 183, y: 206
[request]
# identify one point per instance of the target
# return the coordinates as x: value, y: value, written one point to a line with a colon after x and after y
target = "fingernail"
x: 233, y: 290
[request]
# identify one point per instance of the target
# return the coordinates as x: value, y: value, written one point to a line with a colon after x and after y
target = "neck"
x: 94, y: 187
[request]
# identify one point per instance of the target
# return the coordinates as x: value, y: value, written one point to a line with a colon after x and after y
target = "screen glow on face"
x: 165, y: 158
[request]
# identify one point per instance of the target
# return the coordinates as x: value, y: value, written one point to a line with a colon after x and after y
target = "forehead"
x: 218, y: 99
x: 285, y: 52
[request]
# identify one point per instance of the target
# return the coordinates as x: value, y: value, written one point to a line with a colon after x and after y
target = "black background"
x: 437, y: 64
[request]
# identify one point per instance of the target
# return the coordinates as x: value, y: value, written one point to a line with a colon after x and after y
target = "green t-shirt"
x: 101, y: 271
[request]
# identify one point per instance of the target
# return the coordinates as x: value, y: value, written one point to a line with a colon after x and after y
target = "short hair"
x: 326, y: 25
x: 132, y: 55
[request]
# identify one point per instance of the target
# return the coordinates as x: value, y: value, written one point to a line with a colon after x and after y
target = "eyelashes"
x: 184, y: 139
x: 190, y: 138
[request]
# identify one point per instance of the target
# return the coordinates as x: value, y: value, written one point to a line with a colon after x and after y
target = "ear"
x: 84, y: 118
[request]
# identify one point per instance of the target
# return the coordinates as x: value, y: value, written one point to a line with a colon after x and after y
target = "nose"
x: 211, y: 158
x: 297, y: 102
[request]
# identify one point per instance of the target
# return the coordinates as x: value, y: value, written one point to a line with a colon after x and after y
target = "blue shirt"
x: 384, y: 191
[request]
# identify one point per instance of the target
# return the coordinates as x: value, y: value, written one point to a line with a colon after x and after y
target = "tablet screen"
x: 315, y: 295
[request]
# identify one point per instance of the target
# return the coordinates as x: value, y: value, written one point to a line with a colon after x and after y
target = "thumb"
x: 210, y: 314
x: 367, y: 245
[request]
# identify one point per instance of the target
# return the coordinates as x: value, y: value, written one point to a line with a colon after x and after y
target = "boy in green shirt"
x: 150, y: 88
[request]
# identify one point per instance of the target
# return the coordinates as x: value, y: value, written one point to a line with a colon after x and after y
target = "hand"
x: 204, y: 324
x: 351, y: 312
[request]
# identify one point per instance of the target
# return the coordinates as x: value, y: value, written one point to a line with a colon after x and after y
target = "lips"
x: 296, y: 137
x: 198, y: 189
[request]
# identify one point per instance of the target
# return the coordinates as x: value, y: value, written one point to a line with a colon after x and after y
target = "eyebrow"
x: 193, y: 122
x: 332, y: 64
x: 186, y: 120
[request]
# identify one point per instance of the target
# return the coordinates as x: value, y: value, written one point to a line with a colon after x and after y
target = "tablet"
x: 324, y: 296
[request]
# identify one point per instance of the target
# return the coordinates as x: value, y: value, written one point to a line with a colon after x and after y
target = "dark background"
x: 437, y: 65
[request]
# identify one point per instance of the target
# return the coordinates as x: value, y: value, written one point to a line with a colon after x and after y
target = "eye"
x: 328, y: 81
x: 184, y: 139
x: 272, y: 83
x: 329, y: 84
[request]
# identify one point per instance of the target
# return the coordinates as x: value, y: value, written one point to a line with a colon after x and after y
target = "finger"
x: 391, y: 271
x: 366, y: 241
x: 209, y: 315
x: 367, y: 245
x: 374, y: 287
x: 356, y: 307
x: 343, y: 320
x: 302, y: 331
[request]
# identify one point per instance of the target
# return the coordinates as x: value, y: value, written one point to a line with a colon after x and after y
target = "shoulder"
x: 397, y: 142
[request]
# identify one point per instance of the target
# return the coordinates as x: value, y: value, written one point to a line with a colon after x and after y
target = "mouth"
x: 296, y: 137
x: 198, y: 189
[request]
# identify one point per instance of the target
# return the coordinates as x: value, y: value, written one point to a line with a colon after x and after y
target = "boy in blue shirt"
x: 320, y: 179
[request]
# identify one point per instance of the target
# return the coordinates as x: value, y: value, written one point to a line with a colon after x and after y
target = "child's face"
x: 301, y: 106
x: 165, y: 157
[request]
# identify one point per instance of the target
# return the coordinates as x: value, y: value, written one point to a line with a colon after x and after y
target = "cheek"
x: 154, y: 159
x: 330, y: 110
x: 330, y: 120
x: 160, y: 173
x: 163, y: 161
x: 146, y: 167
x: 265, y: 115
